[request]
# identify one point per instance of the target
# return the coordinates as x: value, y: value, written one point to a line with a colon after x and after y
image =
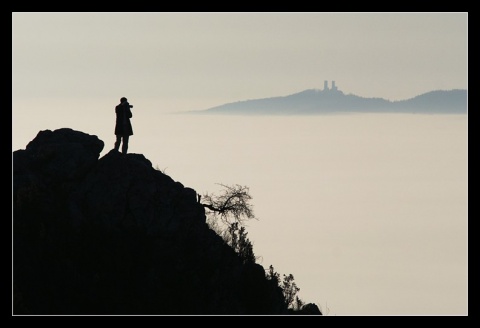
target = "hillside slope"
x: 112, y: 235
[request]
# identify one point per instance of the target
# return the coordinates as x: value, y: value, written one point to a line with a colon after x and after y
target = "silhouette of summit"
x: 332, y: 100
x: 112, y: 235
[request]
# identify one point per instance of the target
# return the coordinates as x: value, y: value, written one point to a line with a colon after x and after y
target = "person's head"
x: 123, y: 99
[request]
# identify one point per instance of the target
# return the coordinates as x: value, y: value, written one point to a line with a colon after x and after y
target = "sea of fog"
x: 367, y: 211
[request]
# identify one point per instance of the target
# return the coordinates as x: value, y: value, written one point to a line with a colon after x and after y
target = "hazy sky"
x: 70, y: 70
x: 185, y: 61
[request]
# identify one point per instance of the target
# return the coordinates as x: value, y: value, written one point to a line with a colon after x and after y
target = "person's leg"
x: 125, y: 144
x: 117, y: 142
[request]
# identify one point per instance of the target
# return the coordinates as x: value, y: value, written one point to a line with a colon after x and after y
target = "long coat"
x: 123, y: 127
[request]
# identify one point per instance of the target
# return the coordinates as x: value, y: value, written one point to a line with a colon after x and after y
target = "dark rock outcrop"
x: 112, y: 235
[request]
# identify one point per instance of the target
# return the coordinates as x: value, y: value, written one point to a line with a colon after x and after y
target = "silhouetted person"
x: 123, y: 127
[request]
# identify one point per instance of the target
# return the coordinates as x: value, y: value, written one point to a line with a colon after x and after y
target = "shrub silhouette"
x: 289, y: 288
x: 290, y: 291
x: 240, y: 243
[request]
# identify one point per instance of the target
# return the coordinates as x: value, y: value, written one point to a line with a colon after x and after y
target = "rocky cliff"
x: 112, y: 235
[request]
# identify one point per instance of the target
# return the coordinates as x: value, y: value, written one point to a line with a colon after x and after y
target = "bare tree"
x: 226, y: 215
x: 232, y: 205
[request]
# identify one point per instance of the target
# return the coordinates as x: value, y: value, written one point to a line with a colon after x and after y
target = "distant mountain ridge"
x: 331, y: 101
